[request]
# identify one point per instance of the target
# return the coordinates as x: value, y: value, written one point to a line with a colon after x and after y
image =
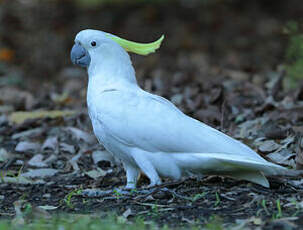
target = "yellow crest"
x: 136, y: 47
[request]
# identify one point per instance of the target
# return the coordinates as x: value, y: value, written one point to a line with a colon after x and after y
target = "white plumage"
x: 148, y: 133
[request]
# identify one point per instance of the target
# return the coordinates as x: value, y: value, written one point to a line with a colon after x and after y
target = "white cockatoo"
x: 147, y: 132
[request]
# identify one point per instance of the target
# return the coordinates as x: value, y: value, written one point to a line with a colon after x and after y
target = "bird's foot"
x: 130, y: 186
x: 130, y: 189
x: 155, y: 183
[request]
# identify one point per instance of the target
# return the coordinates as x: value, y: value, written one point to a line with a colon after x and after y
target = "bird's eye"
x: 93, y: 43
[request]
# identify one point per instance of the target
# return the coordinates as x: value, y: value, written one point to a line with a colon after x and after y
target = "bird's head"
x: 93, y: 45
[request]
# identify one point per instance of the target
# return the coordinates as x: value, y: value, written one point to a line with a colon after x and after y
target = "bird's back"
x: 154, y: 124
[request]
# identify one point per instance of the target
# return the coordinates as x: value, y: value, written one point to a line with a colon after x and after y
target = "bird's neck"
x: 110, y: 75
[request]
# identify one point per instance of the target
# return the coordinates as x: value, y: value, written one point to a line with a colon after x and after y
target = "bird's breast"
x: 100, y: 117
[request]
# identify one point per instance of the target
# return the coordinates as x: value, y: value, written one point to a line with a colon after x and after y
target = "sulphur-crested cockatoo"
x: 147, y: 132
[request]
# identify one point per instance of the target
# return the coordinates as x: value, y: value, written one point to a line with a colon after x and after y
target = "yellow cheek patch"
x: 136, y: 47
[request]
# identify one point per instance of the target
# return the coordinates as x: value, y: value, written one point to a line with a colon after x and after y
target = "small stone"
x: 268, y: 146
x: 40, y: 173
x: 25, y: 146
x: 37, y: 161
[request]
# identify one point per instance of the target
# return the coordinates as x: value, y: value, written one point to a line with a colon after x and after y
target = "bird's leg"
x: 132, y: 174
x: 147, y: 168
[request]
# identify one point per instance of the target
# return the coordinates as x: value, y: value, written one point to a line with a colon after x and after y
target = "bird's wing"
x: 154, y: 124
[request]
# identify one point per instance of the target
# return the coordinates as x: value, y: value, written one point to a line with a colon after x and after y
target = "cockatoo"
x: 147, y: 132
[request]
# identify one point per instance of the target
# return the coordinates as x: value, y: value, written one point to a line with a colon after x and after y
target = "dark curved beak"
x: 80, y: 56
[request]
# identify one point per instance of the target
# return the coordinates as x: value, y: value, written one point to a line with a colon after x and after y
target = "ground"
x: 222, y: 63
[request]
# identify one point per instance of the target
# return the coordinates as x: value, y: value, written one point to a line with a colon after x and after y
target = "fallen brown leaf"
x: 20, y: 117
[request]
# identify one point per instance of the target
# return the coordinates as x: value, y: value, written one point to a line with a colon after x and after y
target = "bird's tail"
x: 236, y: 166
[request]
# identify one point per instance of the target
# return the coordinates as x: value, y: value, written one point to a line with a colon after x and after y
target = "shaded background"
x: 237, y: 34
